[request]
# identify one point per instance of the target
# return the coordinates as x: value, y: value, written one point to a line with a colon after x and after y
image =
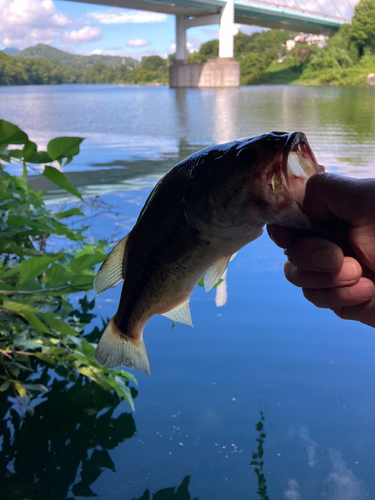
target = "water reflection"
x: 179, y: 493
x: 257, y: 461
x: 226, y: 111
x: 63, y: 448
x: 117, y: 175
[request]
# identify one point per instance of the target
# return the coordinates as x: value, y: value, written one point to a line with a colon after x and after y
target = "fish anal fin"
x: 115, y: 349
x: 215, y: 272
x: 181, y: 314
x: 111, y: 271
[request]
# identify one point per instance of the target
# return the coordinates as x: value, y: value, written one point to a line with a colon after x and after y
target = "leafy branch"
x: 39, y: 325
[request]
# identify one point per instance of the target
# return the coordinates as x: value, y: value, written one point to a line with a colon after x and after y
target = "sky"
x: 83, y: 28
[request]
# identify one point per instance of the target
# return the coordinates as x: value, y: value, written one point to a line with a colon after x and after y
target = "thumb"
x: 350, y: 200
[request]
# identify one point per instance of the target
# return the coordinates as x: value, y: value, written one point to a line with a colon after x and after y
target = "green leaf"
x: 121, y: 388
x: 11, y: 134
x: 28, y: 312
x: 31, y: 155
x: 4, y: 386
x: 69, y: 213
x: 201, y: 282
x: 86, y: 262
x: 57, y: 275
x: 15, y: 153
x: 63, y: 147
x: 21, y: 390
x: 58, y: 324
x: 45, y: 358
x: 36, y: 387
x: 35, y: 266
x: 60, y: 180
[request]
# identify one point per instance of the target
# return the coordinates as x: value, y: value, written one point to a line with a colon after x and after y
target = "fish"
x: 198, y: 216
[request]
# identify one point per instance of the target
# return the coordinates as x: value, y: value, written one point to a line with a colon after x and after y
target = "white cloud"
x: 292, y: 492
x: 310, y: 444
x: 138, y: 42
x: 85, y: 34
x: 341, y: 484
x: 126, y: 16
x: 28, y: 22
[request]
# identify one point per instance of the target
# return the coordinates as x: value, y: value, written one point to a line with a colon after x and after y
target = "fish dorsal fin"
x: 181, y: 314
x: 111, y: 271
x: 215, y: 272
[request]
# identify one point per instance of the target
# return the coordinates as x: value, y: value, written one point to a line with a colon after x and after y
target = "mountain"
x: 48, y: 53
x: 11, y: 51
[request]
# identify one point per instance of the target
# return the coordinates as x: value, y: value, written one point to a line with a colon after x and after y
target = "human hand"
x: 335, y: 275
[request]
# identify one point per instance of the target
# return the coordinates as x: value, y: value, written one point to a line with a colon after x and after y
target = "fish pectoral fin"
x: 215, y: 272
x: 116, y: 349
x: 181, y: 314
x: 111, y: 271
x: 233, y: 256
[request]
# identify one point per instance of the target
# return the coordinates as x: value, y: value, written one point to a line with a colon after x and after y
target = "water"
x: 264, y: 350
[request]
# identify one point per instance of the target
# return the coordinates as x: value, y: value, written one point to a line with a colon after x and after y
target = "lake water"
x: 259, y: 354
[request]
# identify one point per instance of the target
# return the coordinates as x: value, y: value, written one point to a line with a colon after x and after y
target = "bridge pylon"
x: 216, y: 73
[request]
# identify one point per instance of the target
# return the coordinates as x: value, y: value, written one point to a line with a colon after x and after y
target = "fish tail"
x: 116, y: 349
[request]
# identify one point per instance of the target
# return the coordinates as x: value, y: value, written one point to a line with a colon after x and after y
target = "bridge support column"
x: 226, y: 31
x: 215, y: 73
x: 181, y: 50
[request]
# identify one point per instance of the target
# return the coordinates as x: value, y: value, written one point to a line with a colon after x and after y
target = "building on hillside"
x: 307, y: 38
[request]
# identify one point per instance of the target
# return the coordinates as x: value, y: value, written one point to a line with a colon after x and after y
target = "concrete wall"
x: 215, y: 73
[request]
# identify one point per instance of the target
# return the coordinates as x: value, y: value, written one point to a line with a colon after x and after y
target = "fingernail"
x: 323, y: 259
x: 348, y: 272
x: 362, y: 290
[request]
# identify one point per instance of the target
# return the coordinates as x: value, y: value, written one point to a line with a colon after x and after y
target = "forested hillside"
x: 51, y: 54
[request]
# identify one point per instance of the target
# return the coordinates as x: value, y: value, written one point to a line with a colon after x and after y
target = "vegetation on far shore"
x: 347, y: 60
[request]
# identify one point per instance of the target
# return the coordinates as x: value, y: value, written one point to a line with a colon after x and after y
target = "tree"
x: 363, y: 26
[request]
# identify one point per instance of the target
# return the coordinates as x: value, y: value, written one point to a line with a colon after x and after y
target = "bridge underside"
x: 265, y: 16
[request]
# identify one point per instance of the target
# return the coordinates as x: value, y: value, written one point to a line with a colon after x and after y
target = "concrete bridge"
x: 224, y: 71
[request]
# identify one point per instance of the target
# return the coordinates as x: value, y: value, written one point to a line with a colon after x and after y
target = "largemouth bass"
x: 195, y: 220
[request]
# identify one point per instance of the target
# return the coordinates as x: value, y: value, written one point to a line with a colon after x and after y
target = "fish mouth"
x: 298, y: 165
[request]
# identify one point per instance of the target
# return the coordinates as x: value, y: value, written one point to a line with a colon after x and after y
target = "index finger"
x: 282, y: 236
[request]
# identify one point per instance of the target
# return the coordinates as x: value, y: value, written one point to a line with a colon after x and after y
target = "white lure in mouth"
x: 294, y: 167
x: 300, y: 168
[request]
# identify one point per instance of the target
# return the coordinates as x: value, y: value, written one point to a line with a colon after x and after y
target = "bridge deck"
x: 252, y: 13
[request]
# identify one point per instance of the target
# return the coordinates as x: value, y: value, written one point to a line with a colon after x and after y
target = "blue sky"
x: 84, y: 28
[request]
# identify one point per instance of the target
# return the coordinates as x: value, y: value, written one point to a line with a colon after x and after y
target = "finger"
x: 348, y: 274
x: 282, y: 236
x: 365, y: 312
x: 332, y: 298
x: 315, y: 254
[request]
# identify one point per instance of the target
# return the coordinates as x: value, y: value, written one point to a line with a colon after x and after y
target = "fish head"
x: 277, y: 178
x: 251, y: 182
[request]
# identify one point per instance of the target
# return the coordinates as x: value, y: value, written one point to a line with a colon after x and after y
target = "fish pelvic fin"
x: 215, y: 272
x: 181, y: 314
x: 111, y: 271
x: 115, y: 349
